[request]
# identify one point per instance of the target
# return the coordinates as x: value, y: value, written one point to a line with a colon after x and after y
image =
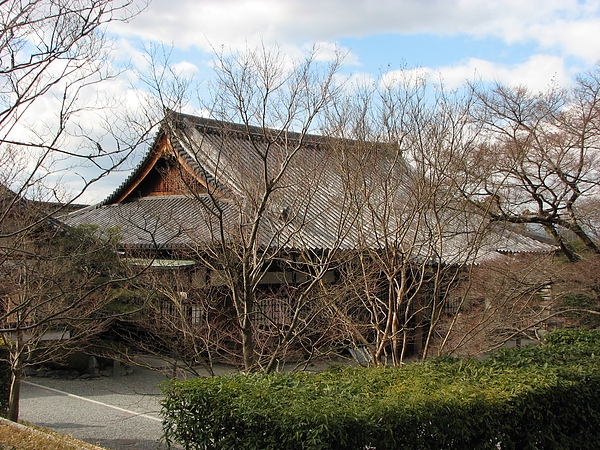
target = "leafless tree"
x: 259, y: 212
x: 51, y: 53
x: 517, y: 297
x: 180, y: 320
x: 537, y: 163
x: 423, y: 183
x: 57, y: 286
x: 503, y: 299
x: 419, y: 236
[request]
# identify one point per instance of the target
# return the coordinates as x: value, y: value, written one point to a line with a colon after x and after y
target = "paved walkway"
x: 119, y: 414
x: 116, y: 414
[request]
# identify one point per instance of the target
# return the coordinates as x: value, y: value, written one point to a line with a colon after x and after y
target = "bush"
x: 545, y: 399
x: 582, y: 302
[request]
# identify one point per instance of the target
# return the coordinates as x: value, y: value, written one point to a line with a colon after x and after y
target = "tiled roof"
x: 156, y: 222
x: 315, y: 204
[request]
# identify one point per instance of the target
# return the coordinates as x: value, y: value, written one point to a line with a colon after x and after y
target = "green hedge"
x: 531, y: 398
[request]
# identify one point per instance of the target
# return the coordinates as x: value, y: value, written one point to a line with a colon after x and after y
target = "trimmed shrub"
x: 536, y: 397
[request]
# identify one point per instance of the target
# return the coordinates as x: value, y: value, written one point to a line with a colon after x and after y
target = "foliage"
x: 565, y: 347
x: 583, y: 304
x: 59, y: 282
x: 536, y: 397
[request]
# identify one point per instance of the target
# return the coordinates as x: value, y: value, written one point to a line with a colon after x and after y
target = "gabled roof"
x: 201, y: 144
x: 315, y: 204
x: 38, y: 210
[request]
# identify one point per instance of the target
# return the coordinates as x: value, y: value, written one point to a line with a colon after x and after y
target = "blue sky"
x: 513, y: 41
x: 516, y: 42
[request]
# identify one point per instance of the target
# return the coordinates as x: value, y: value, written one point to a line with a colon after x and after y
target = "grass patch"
x: 20, y: 438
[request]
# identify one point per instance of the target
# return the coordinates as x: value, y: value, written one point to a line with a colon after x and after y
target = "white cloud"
x: 241, y: 23
x: 563, y: 33
x: 185, y: 69
x: 538, y: 73
x: 97, y: 114
x: 123, y: 53
x: 355, y: 81
x: 579, y: 38
x: 558, y: 30
x: 330, y: 51
x: 406, y: 77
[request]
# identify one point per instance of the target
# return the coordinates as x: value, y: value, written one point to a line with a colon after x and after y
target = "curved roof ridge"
x: 114, y: 194
x: 220, y: 126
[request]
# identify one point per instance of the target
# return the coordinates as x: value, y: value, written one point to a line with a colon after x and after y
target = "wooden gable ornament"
x: 162, y: 173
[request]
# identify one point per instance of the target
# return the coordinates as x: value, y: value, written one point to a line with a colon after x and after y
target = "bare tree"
x: 537, y: 161
x: 503, y: 299
x: 262, y: 173
x: 57, y: 286
x: 418, y: 235
x: 283, y: 176
x: 375, y: 202
x: 51, y: 53
x: 180, y: 320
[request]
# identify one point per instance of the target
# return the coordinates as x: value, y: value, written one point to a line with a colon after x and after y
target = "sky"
x: 529, y: 42
x: 515, y: 42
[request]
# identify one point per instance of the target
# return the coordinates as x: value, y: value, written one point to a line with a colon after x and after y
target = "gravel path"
x: 121, y: 413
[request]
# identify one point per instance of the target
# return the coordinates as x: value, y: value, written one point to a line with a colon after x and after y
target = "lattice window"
x: 196, y: 314
x: 272, y: 310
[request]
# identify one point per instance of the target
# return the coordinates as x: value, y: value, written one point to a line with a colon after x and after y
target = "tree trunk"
x: 248, y: 336
x: 566, y: 249
x: 14, y: 395
x: 582, y: 235
x: 16, y: 374
x: 248, y: 347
